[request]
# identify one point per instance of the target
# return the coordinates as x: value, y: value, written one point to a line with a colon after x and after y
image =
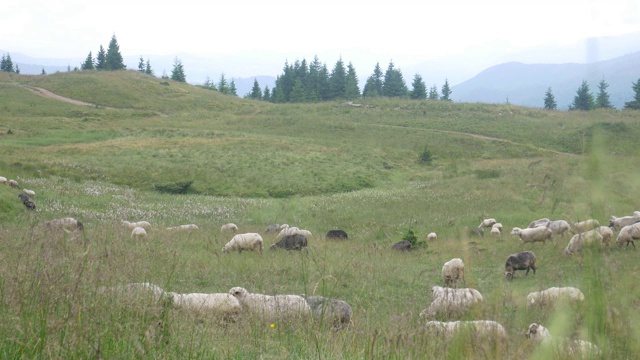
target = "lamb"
x: 337, y: 235
x: 487, y: 223
x: 334, y: 311
x: 628, y: 234
x: 68, y: 224
x: 138, y: 233
x: 432, y: 236
x: 452, y: 271
x: 539, y: 222
x: 132, y: 225
x: 272, y: 307
x: 223, y: 305
x: 290, y: 242
x: 554, y: 294
x: 525, y: 260
x: 230, y: 227
x: 578, y: 241
x: 14, y: 184
x: 186, y: 227
x: 30, y: 193
x: 275, y: 227
x: 482, y: 329
x: 580, y: 348
x: 248, y: 241
x: 451, y: 302
x: 497, y: 226
x: 584, y: 226
x: 618, y: 223
x: 532, y: 235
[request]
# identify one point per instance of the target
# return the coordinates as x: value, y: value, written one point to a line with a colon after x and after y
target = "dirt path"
x: 49, y: 95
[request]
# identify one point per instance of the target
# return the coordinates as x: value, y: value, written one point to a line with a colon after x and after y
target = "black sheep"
x: 29, y: 204
x: 525, y: 260
x: 290, y: 242
x: 337, y: 235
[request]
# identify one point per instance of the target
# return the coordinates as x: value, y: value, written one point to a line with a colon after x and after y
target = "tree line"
x: 585, y: 101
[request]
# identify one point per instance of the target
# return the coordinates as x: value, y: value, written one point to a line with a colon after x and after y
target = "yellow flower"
x: 273, y: 326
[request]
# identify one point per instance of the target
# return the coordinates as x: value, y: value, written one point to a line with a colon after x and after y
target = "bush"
x: 426, y: 157
x: 410, y: 237
x: 174, y: 188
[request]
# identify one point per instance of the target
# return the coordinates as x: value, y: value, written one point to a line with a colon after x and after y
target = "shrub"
x: 174, y: 188
x: 410, y: 237
x: 426, y: 157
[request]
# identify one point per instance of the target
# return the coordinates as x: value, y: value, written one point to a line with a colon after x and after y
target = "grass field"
x: 316, y: 166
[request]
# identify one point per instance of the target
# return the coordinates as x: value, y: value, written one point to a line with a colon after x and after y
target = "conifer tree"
x: 419, y: 91
x: 223, y: 87
x: 433, y: 93
x: 394, y: 85
x: 101, y: 59
x: 17, y: 69
x: 88, y: 63
x: 298, y: 93
x: 446, y: 91
x: 549, y: 101
x: 635, y: 103
x: 177, y: 74
x: 373, y: 86
x: 148, y: 70
x: 43, y: 72
x: 232, y: 88
x: 583, y: 99
x: 338, y: 81
x: 266, y: 94
x: 602, y: 100
x: 352, y: 90
x: 113, y: 59
x: 141, y: 64
x: 6, y: 64
x: 256, y: 92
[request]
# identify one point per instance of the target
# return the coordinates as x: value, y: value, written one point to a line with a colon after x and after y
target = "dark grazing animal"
x: 290, y: 242
x: 333, y: 311
x: 23, y: 197
x: 29, y: 204
x: 337, y: 235
x: 525, y: 260
x: 403, y: 245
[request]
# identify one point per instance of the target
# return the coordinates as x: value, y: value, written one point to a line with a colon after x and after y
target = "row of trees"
x: 6, y: 64
x: 585, y: 101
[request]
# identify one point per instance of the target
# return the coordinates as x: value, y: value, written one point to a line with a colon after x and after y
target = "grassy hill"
x: 316, y: 166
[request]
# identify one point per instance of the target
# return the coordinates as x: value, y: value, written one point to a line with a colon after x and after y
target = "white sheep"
x: 69, y: 225
x: 186, y: 227
x: 481, y: 329
x: 578, y: 241
x: 452, y: 271
x: 558, y: 227
x: 532, y: 235
x: 222, y: 305
x: 3, y: 180
x: 451, y: 302
x: 497, y: 226
x: 580, y: 348
x: 432, y: 236
x: 487, y: 223
x: 495, y: 231
x: 14, y: 184
x: 294, y: 231
x: 30, y: 193
x: 138, y: 233
x: 606, y: 233
x: 554, y: 294
x: 272, y: 307
x: 132, y: 225
x: 248, y: 241
x: 230, y: 227
x: 628, y: 234
x: 539, y: 222
x: 275, y: 227
x: 584, y: 226
x: 618, y: 223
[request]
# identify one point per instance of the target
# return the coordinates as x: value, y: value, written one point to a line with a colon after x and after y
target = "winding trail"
x: 49, y: 95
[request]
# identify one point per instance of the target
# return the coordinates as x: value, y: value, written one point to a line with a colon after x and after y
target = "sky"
x: 403, y: 31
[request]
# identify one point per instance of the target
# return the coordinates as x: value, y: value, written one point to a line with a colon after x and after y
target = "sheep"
x: 230, y: 227
x: 223, y: 305
x: 30, y: 193
x: 186, y: 227
x: 558, y: 227
x: 336, y: 235
x: 432, y: 236
x: 578, y: 241
x: 14, y: 184
x: 628, y: 234
x: 451, y: 302
x: 584, y: 226
x: 23, y: 197
x: 132, y: 225
x: 290, y: 242
x: 275, y: 227
x: 618, y: 223
x: 554, y: 294
x: 487, y: 223
x: 482, y: 329
x: 495, y: 231
x: 525, y: 260
x: 294, y: 231
x: 479, y: 232
x: 452, y: 271
x: 497, y: 226
x: 539, y: 222
x: 67, y: 224
x: 580, y: 348
x: 32, y: 206
x: 334, y: 311
x: 532, y: 235
x: 3, y: 180
x: 272, y: 307
x: 606, y: 233
x: 403, y: 245
x: 248, y: 241
x: 138, y: 233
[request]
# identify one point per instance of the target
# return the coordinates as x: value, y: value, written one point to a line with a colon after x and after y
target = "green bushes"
x: 181, y: 187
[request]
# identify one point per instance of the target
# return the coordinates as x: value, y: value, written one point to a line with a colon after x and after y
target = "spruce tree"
x: 446, y: 91
x: 419, y: 91
x: 177, y: 74
x: 583, y: 99
x: 635, y: 103
x: 3, y: 63
x: 549, y: 101
x: 232, y: 88
x: 43, y: 72
x: 373, y: 86
x: 266, y: 94
x: 256, y: 92
x: 147, y: 69
x: 433, y: 93
x: 101, y: 59
x: 222, y: 85
x: 298, y: 93
x: 17, y: 69
x: 338, y: 81
x: 141, y: 65
x: 6, y: 64
x: 352, y: 90
x: 602, y: 100
x: 113, y: 59
x: 394, y: 85
x: 88, y: 63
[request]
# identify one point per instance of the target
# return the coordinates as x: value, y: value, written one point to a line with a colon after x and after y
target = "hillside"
x: 526, y: 84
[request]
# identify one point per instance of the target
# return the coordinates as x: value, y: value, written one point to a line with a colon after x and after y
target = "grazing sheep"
x: 336, y: 235
x: 32, y: 206
x: 275, y: 227
x: 23, y: 197
x: 403, y: 245
x: 452, y: 271
x: 579, y: 348
x: 272, y: 307
x: 554, y: 294
x: 138, y: 233
x: 230, y: 227
x: 14, y: 184
x: 497, y: 226
x: 584, y: 226
x: 618, y: 223
x: 132, y: 225
x: 532, y: 235
x: 3, y: 180
x: 558, y: 227
x: 479, y: 232
x: 290, y: 242
x: 223, y: 305
x: 495, y: 231
x: 248, y: 241
x: 68, y: 224
x: 606, y: 233
x: 136, y: 291
x: 287, y: 231
x: 628, y: 234
x: 30, y: 193
x: 334, y: 311
x: 539, y: 222
x: 481, y: 329
x: 487, y: 223
x: 432, y: 236
x: 525, y: 260
x: 451, y: 302
x: 578, y: 241
x: 186, y: 227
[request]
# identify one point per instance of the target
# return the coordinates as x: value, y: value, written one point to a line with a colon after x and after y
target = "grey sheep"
x: 403, y: 245
x: 290, y: 242
x: 525, y: 260
x: 336, y: 311
x: 337, y: 235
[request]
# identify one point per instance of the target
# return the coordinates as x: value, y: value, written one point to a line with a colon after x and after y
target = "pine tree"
x: 419, y: 91
x: 352, y: 90
x: 147, y: 69
x: 373, y: 86
x: 232, y: 88
x: 433, y: 93
x: 446, y: 91
x: 338, y: 81
x: 113, y: 59
x: 394, y: 85
x: 141, y: 65
x: 177, y: 74
x: 298, y: 93
x: 266, y: 94
x: 222, y: 85
x: 88, y: 63
x: 17, y: 69
x: 602, y: 100
x: 549, y: 101
x: 635, y: 103
x: 6, y: 64
x: 101, y: 59
x: 583, y: 99
x: 43, y: 72
x: 256, y: 92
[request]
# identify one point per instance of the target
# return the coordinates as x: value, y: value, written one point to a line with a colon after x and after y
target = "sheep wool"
x: 452, y: 271
x: 272, y: 307
x: 240, y: 242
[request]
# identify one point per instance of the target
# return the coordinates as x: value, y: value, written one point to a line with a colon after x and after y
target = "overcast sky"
x: 402, y: 30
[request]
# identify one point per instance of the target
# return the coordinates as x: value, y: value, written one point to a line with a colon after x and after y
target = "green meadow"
x: 317, y: 166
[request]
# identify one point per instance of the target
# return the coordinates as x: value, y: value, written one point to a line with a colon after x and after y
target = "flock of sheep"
x: 26, y: 196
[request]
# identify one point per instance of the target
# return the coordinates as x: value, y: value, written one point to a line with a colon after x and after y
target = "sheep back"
x: 337, y: 235
x: 554, y: 294
x: 240, y: 242
x: 290, y: 242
